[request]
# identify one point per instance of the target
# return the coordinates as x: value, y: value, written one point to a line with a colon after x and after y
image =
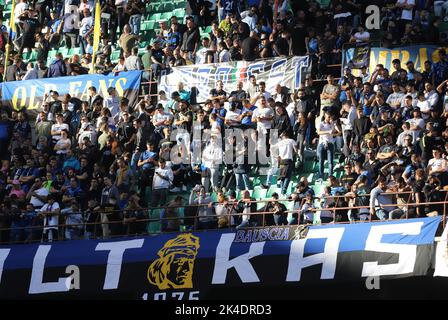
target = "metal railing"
x: 103, y: 229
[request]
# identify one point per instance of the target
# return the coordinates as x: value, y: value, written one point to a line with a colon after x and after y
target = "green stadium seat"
x: 168, y: 7
x: 115, y: 55
x: 151, y: 24
x: 144, y: 26
x: 259, y: 193
x: 154, y: 227
x: 166, y: 16
x: 155, y: 16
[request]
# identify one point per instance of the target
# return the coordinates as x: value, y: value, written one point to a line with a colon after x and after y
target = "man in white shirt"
x: 286, y: 149
x: 430, y: 94
x: 250, y: 18
x: 212, y: 159
x: 396, y: 97
x: 406, y: 7
x: 50, y: 212
x: 37, y: 195
x: 423, y: 105
x: 438, y: 166
x: 263, y: 116
x: 362, y: 35
x: 112, y: 103
x: 252, y: 87
x: 417, y: 124
x: 326, y: 131
x: 262, y: 93
x: 201, y: 54
x: 85, y: 29
x: 163, y: 178
x: 19, y: 9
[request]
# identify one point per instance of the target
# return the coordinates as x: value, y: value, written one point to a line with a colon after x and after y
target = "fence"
x: 191, y: 222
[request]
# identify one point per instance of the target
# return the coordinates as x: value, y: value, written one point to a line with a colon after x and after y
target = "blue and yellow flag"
x: 96, y: 33
x: 12, y: 29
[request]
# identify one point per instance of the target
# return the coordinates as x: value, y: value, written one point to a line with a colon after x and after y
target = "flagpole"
x: 12, y: 28
x: 96, y: 33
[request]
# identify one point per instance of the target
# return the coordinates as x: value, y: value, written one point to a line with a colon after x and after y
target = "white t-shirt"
x: 19, y: 9
x: 263, y: 125
x: 63, y: 142
x: 58, y: 128
x: 52, y: 221
x: 212, y: 156
x: 159, y: 117
x: 86, y: 25
x: 326, y: 138
x: 437, y: 164
x: 232, y: 116
x: 395, y: 98
x: 406, y: 14
x: 286, y: 149
x: 360, y: 37
x: 201, y: 55
x: 417, y: 122
x: 42, y: 192
x: 424, y: 108
x: 159, y: 183
x: 432, y: 97
x: 224, y: 56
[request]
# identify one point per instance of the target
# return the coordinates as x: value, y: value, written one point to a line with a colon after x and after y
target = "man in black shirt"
x: 237, y: 96
x: 30, y: 26
x: 249, y: 47
x: 235, y: 50
x: 191, y: 37
x: 281, y: 45
x: 126, y: 132
x: 218, y: 93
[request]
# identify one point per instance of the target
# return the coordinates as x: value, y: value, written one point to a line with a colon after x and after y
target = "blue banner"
x: 193, y: 264
x: 29, y: 94
x: 355, y: 57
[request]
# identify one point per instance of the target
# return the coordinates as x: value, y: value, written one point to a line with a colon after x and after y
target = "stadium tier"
x: 263, y: 123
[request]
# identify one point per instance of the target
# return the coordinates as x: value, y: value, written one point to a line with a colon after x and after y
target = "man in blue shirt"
x: 440, y: 69
x: 219, y: 111
x: 71, y: 162
x: 246, y: 115
x: 146, y: 165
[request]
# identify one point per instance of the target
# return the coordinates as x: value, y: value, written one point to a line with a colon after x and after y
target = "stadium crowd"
x: 96, y: 161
